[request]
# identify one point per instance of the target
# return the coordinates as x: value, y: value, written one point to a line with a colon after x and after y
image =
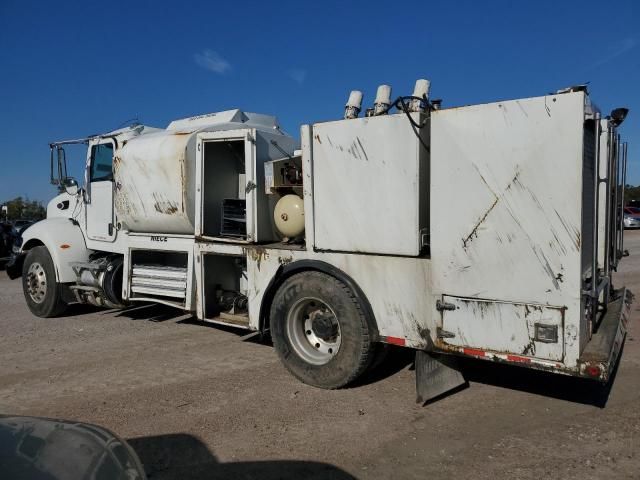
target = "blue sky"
x: 69, y: 69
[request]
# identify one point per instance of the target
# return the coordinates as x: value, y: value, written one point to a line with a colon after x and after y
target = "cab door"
x: 99, y: 192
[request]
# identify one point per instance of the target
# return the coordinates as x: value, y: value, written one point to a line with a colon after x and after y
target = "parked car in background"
x: 21, y: 225
x: 631, y: 217
x: 10, y: 237
x: 634, y: 203
x: 6, y: 240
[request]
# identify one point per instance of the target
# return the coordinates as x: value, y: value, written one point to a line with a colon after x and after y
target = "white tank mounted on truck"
x: 487, y: 231
x: 155, y: 173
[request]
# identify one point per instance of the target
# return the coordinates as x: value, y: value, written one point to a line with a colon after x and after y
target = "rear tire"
x: 41, y: 290
x: 320, y: 330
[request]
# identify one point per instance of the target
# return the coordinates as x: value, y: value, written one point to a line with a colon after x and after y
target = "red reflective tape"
x: 473, y: 351
x: 518, y: 358
x: 395, y: 341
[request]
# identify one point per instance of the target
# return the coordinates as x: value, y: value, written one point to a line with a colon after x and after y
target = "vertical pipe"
x: 51, y: 161
x: 612, y: 220
x: 619, y: 211
x: 610, y: 224
x: 594, y: 230
x: 624, y: 183
x: 614, y: 182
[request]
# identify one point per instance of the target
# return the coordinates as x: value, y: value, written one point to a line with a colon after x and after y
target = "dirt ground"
x: 197, y: 401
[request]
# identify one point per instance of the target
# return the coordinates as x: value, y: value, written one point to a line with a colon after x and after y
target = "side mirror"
x: 70, y: 186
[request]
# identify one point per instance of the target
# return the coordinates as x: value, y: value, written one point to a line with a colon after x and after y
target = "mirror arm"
x: 53, y: 181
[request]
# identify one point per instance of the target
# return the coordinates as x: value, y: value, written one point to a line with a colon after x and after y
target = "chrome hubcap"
x: 313, y: 330
x: 36, y: 282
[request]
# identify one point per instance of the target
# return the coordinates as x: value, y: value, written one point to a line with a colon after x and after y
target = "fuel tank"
x: 155, y: 172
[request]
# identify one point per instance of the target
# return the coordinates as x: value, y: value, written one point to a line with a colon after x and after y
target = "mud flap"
x: 435, y: 375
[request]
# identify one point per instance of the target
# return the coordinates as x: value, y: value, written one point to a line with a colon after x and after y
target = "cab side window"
x: 102, y: 162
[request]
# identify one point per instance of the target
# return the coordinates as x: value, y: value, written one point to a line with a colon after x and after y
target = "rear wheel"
x: 41, y: 290
x: 320, y: 330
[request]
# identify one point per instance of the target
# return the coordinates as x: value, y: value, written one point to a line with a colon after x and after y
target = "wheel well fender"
x: 34, y: 242
x: 63, y: 239
x: 291, y: 269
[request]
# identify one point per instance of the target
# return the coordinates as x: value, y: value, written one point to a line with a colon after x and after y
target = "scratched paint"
x: 377, y: 168
x: 510, y: 229
x: 503, y: 327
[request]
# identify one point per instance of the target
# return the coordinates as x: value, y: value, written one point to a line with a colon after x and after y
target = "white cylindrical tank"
x: 155, y: 183
x: 289, y: 216
x: 155, y: 173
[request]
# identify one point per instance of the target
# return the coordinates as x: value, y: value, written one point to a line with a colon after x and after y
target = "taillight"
x: 593, y: 370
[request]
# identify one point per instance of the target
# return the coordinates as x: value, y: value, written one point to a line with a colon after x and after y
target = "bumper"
x: 600, y: 355
x: 632, y: 223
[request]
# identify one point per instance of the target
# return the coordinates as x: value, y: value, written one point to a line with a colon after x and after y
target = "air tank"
x: 288, y: 216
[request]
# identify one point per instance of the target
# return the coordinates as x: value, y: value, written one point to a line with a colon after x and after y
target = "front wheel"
x: 41, y: 290
x: 320, y: 330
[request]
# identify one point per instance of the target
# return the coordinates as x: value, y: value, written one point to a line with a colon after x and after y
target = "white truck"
x: 488, y: 231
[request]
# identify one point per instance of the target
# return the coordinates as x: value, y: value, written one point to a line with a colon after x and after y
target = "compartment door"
x: 217, y: 181
x: 532, y: 330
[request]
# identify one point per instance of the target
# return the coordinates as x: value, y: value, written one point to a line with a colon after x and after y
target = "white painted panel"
x: 366, y: 186
x: 503, y: 327
x: 396, y: 287
x: 506, y: 199
x: 506, y: 203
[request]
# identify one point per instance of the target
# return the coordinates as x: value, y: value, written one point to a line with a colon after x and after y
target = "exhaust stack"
x: 354, y: 104
x: 383, y: 100
x: 421, y: 92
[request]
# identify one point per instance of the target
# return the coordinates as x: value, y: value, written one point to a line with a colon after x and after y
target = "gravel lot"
x: 202, y: 402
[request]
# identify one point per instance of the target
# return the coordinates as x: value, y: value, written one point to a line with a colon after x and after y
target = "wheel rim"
x: 36, y: 282
x: 313, y: 330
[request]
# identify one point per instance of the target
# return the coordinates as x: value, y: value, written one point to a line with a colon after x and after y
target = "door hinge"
x: 424, y: 238
x: 440, y: 306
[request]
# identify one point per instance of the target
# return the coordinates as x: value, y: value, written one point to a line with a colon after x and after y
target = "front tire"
x: 320, y: 330
x: 41, y: 290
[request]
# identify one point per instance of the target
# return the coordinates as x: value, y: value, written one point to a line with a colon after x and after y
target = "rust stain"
x: 258, y: 254
x: 164, y: 206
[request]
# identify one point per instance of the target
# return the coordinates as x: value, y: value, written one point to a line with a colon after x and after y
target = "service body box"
x: 507, y: 220
x: 370, y: 185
